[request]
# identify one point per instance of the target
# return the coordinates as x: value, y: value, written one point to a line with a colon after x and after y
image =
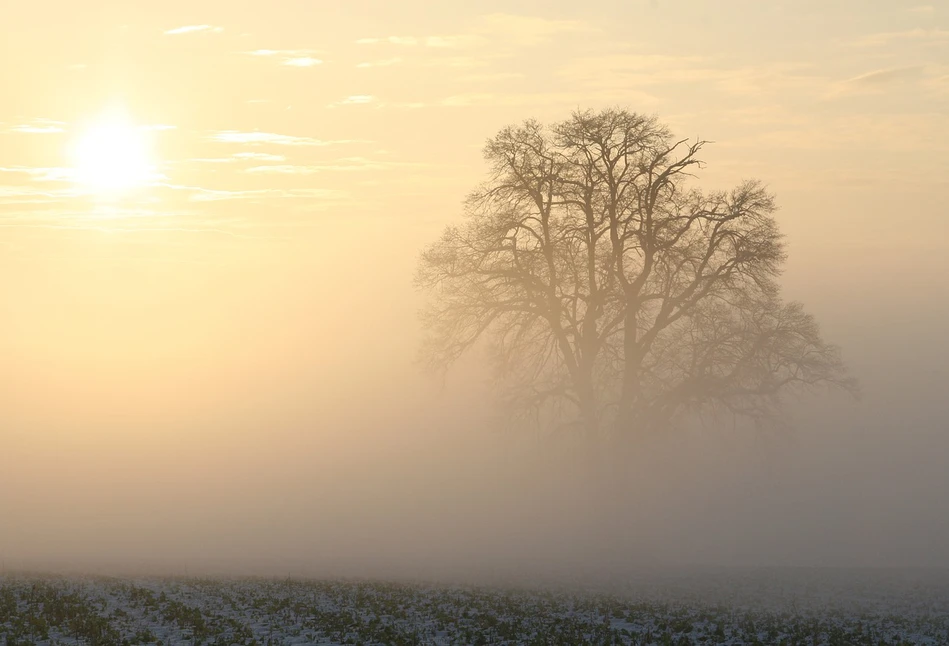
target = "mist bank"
x: 446, y: 497
x: 258, y: 416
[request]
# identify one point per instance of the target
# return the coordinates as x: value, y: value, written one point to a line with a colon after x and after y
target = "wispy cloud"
x: 539, y: 99
x: 469, y: 99
x: 254, y: 138
x: 386, y: 62
x: 40, y: 174
x: 652, y: 68
x: 368, y: 100
x: 499, y: 28
x: 876, y: 80
x: 923, y: 8
x: 288, y: 53
x: 458, y: 61
x: 200, y: 194
x: 290, y: 57
x: 40, y: 127
x: 258, y: 156
x: 346, y: 164
x: 285, y: 169
x: 37, y: 130
x: 31, y: 194
x: 190, y: 29
x: 357, y: 99
x: 923, y: 36
x: 211, y: 160
x: 527, y: 30
x: 458, y: 40
x: 886, y: 76
x: 492, y: 77
x: 608, y: 77
x: 16, y: 191
x: 461, y: 40
x: 302, y: 61
x: 239, y: 157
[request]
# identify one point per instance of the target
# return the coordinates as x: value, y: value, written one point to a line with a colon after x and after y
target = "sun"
x: 113, y: 156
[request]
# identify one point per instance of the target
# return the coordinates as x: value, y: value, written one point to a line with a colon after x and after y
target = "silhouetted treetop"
x: 614, y: 293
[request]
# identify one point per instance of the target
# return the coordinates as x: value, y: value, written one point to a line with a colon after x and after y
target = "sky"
x: 219, y: 364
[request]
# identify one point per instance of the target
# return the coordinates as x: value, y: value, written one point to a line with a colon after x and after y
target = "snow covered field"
x: 725, y: 607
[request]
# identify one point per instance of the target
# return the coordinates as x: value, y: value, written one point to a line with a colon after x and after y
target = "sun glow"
x: 113, y: 156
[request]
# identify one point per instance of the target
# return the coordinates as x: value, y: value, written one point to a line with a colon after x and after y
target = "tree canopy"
x: 613, y: 291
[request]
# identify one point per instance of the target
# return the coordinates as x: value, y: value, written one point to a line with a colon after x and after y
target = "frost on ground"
x: 750, y: 607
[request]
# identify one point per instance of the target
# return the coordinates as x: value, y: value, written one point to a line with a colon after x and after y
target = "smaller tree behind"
x: 613, y: 292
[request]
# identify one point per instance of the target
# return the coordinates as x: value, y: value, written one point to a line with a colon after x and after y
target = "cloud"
x: 27, y: 194
x: 290, y: 57
x: 472, y: 98
x: 370, y: 100
x: 923, y: 8
x: 386, y: 62
x: 490, y: 78
x: 259, y: 156
x: 856, y: 134
x: 486, y: 99
x: 238, y: 157
x: 215, y: 195
x: 876, y: 80
x: 16, y: 191
x: 541, y: 99
x: 189, y: 29
x: 924, y: 36
x: 238, y: 137
x: 40, y: 127
x: 444, y: 42
x: 885, y: 76
x: 462, y: 40
x: 37, y: 130
x: 458, y: 61
x: 160, y: 127
x: 527, y: 30
x: 501, y: 28
x: 392, y: 40
x: 212, y: 160
x: 39, y: 174
x: 357, y: 99
x: 302, y: 61
x: 610, y: 69
x: 290, y: 53
x: 346, y: 164
x: 285, y: 169
x: 608, y: 77
x: 757, y: 81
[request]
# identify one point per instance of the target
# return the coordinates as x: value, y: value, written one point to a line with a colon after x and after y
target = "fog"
x: 287, y: 428
x: 233, y: 388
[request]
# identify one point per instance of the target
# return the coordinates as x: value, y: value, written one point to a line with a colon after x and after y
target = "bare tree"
x: 612, y: 290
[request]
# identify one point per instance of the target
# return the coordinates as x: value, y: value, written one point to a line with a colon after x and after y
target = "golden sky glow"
x: 366, y: 107
x: 210, y: 211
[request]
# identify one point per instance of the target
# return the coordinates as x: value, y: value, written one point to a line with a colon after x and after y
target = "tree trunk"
x: 629, y: 392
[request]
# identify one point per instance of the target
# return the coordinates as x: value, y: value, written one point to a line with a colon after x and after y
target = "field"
x: 748, y: 607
